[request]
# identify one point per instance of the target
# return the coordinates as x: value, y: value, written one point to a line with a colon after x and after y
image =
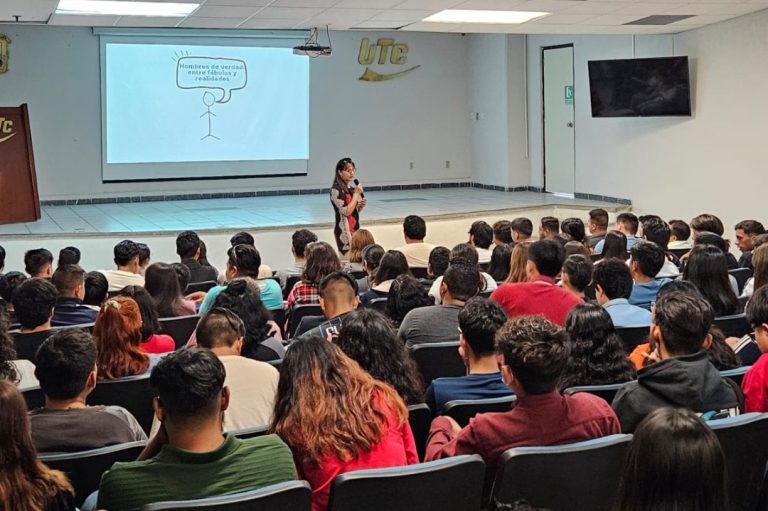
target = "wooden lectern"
x: 19, y: 201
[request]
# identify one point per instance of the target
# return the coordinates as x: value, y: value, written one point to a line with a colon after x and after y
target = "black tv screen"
x: 640, y: 87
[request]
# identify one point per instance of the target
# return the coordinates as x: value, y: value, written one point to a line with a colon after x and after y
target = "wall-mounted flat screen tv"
x: 640, y: 87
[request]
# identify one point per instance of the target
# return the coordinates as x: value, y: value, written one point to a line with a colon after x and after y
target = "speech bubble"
x: 217, y: 73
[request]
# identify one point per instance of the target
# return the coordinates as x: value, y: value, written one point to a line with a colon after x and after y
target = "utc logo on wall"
x: 6, y: 129
x: 4, y: 42
x: 388, y: 53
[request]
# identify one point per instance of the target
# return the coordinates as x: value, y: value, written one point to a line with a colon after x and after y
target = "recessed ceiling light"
x: 124, y: 8
x: 475, y: 16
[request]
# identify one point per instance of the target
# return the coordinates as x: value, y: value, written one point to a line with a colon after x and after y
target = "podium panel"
x: 19, y: 201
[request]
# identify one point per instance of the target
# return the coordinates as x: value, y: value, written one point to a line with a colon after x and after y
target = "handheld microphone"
x: 357, y: 183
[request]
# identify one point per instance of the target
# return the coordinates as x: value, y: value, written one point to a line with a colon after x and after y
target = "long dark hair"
x: 341, y: 165
x: 707, y: 269
x: 7, y: 352
x: 242, y: 297
x: 597, y: 356
x: 367, y: 337
x: 392, y: 265
x: 162, y: 283
x: 615, y: 245
x: 406, y: 294
x: 501, y: 259
x: 321, y: 260
x: 149, y: 322
x: 675, y: 463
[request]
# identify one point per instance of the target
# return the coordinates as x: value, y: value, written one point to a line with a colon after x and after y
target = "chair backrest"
x: 595, y: 257
x: 733, y: 326
x: 194, y: 287
x: 485, y: 294
x: 736, y: 374
x: 250, y: 432
x: 586, y: 474
x: 741, y: 275
x: 278, y: 316
x: 744, y: 440
x: 287, y: 496
x: 420, y: 419
x: 451, y: 484
x: 419, y: 273
x: 298, y: 312
x: 679, y: 252
x: 180, y: 328
x: 379, y: 304
x: 85, y: 468
x: 34, y: 397
x: 438, y: 359
x: 461, y: 410
x: 606, y: 392
x: 27, y: 344
x: 132, y: 393
x: 631, y: 336
x: 290, y: 281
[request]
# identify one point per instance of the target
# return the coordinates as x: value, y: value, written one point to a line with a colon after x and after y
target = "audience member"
x: 478, y: 322
x: 336, y: 418
x: 596, y: 355
x: 416, y: 251
x: 518, y: 263
x: 501, y: 258
x: 405, y: 294
x: 299, y: 241
x: 188, y: 249
x: 439, y: 258
x: 242, y: 238
x: 755, y: 383
x: 144, y: 257
x: 151, y: 341
x: 598, y: 226
x: 646, y: 260
x: 710, y: 238
x: 128, y: 269
x: 746, y: 230
x: 439, y: 323
x: 69, y: 309
x: 576, y: 248
x: 532, y: 353
x: 502, y: 233
x: 66, y: 368
x: 162, y: 283
x: 33, y: 303
x: 321, y: 261
x: 252, y: 384
x: 549, y: 227
x: 203, y: 258
x: 372, y: 255
x: 118, y: 335
x: 338, y: 298
x: 480, y: 237
x: 19, y: 371
x: 627, y: 224
x: 615, y: 246
x: 26, y: 483
x: 577, y: 274
x: 68, y: 255
x: 707, y: 269
x: 674, y: 463
x: 392, y: 265
x: 522, y: 229
x: 680, y: 237
x: 466, y: 253
x: 539, y: 295
x: 574, y: 229
x: 613, y: 287
x: 369, y: 339
x: 189, y: 458
x: 360, y: 239
x: 38, y: 262
x: 2, y: 260
x: 758, y: 280
x: 9, y: 282
x: 658, y: 231
x: 683, y: 377
x: 707, y: 223
x: 183, y: 277
x: 96, y: 289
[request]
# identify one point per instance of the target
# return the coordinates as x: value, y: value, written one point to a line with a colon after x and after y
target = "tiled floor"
x: 273, y: 212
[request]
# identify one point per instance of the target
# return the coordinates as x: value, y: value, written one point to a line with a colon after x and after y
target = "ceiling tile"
x: 735, y: 9
x: 611, y: 19
x: 380, y: 25
x: 303, y: 3
x: 646, y: 9
x: 269, y: 23
x: 496, y: 5
x: 233, y: 3
x: 402, y: 14
x: 145, y: 21
x: 701, y: 20
x: 562, y: 19
x: 87, y: 21
x: 438, y: 5
x: 199, y: 22
x: 593, y: 8
x: 225, y: 11
x: 366, y: 4
x: 28, y: 10
x: 289, y: 13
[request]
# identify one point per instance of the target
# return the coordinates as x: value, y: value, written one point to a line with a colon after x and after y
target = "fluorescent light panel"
x: 124, y: 8
x: 484, y: 16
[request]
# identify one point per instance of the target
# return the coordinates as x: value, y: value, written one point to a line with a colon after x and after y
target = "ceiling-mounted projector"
x: 312, y: 48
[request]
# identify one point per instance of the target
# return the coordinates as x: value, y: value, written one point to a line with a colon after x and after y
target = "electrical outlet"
x: 447, y: 164
x: 411, y: 165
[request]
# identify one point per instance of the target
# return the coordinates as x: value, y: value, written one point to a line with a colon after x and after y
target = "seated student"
x: 710, y: 227
x: 151, y: 341
x: 162, y: 283
x: 468, y: 254
x: 26, y: 483
x: 597, y: 356
x: 573, y: 230
x: 68, y: 255
x: 299, y: 241
x: 96, y: 290
x: 371, y: 255
x: 598, y: 226
x: 658, y: 231
x: 338, y: 298
x: 33, y: 303
x: 480, y: 237
x: 392, y: 265
x: 502, y: 233
x: 478, y: 322
x: 69, y: 309
x: 755, y: 383
x: 613, y: 286
x: 577, y: 274
x: 244, y: 261
x: 549, y: 227
x: 19, y: 371
x: 188, y: 250
x: 628, y: 224
x: 405, y: 294
x: 539, y: 295
x: 337, y: 418
x: 646, y: 260
x: 680, y: 239
x: 707, y: 269
x: 144, y: 257
x: 532, y: 353
x: 684, y: 376
x: 361, y: 239
x: 369, y: 339
x: 8, y: 284
x: 38, y: 262
x: 522, y: 229
x: 244, y: 238
x: 65, y: 365
x: 439, y: 258
x: 501, y: 259
x: 190, y: 458
x: 746, y: 231
x: 128, y: 268
x: 439, y: 323
x: 416, y: 251
x: 321, y: 261
x: 674, y: 462
x: 518, y: 263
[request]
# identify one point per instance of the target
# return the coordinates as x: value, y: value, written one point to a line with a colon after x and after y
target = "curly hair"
x: 328, y: 406
x: 597, y: 356
x: 242, y: 297
x: 118, y: 334
x: 7, y: 352
x: 406, y: 294
x: 368, y: 338
x: 321, y: 260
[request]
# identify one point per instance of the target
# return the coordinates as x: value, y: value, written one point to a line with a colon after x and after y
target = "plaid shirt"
x: 302, y: 294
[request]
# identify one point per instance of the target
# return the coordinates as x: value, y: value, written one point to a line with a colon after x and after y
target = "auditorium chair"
x: 485, y: 294
x: 357, y: 275
x: 85, y: 468
x: 180, y: 328
x: 420, y: 419
x: 378, y: 304
x: 419, y: 273
x: 195, y: 287
x: 278, y: 316
x: 461, y: 410
x: 451, y: 484
x: 298, y: 312
x: 631, y: 336
x: 679, y: 252
x: 34, y: 398
x: 290, y: 281
x: 27, y: 344
x: 733, y: 326
x: 595, y: 257
x: 607, y: 392
x: 132, y: 393
x: 287, y: 496
x: 575, y: 477
x: 741, y: 275
x: 438, y: 359
x: 744, y: 440
x: 250, y: 432
x: 737, y: 374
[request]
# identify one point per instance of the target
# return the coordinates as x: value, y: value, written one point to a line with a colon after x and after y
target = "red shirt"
x: 158, y: 343
x: 755, y: 386
x: 537, y: 297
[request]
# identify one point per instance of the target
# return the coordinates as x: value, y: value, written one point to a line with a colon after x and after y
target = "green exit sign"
x: 569, y: 94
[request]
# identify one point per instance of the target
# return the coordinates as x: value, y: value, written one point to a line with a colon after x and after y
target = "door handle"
x: 569, y: 124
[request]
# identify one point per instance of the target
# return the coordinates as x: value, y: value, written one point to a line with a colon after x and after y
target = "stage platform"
x: 449, y: 212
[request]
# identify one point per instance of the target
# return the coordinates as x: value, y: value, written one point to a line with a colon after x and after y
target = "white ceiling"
x: 567, y: 16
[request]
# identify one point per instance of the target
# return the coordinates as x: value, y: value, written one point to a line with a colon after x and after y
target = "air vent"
x: 660, y: 19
